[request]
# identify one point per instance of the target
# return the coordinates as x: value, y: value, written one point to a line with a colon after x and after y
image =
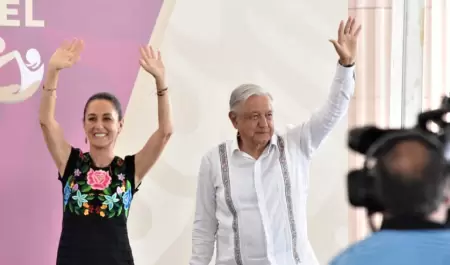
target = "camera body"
x: 362, y: 184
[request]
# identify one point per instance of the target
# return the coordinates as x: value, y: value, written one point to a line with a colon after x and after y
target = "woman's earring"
x: 85, y: 140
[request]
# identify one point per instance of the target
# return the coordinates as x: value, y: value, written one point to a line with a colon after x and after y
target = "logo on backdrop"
x: 29, y: 65
x: 31, y: 74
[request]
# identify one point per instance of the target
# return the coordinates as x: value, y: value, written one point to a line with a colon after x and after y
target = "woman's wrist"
x: 161, y: 86
x: 160, y: 83
x: 51, y: 79
x: 162, y: 92
x: 45, y: 88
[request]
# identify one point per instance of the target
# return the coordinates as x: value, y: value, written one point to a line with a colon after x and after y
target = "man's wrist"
x: 347, y: 62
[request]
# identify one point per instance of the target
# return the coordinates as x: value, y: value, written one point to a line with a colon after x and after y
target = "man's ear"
x: 233, y: 118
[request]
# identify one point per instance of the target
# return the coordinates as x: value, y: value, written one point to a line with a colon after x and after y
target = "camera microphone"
x: 360, y: 139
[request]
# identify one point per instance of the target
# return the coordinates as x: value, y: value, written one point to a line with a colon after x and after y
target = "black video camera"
x: 432, y: 128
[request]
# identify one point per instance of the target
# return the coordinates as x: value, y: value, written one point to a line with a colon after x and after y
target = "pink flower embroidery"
x: 98, y: 179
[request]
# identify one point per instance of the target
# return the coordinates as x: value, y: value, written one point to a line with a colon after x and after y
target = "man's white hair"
x: 243, y: 92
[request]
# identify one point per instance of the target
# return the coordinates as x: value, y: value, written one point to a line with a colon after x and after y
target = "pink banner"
x: 30, y: 31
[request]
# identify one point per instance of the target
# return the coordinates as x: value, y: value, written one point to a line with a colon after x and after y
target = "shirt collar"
x: 235, y: 144
x: 410, y: 223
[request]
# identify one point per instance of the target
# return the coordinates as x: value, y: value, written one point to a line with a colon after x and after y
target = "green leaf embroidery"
x: 90, y: 197
x: 119, y: 211
x: 85, y: 157
x: 69, y: 179
x: 86, y: 188
x: 111, y: 214
x: 81, y: 182
x: 77, y: 210
x: 85, y: 168
x: 70, y: 207
x: 107, y: 191
x: 101, y: 198
x: 116, y: 171
x: 128, y: 185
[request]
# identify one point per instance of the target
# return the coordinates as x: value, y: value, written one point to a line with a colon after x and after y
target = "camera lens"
x: 362, y: 192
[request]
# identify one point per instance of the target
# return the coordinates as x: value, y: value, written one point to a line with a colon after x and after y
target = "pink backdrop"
x: 30, y: 194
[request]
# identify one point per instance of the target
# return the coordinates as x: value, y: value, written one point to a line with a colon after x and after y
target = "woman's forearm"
x: 164, y: 109
x: 48, y: 97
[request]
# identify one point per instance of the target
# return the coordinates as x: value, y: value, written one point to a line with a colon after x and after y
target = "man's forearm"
x: 336, y: 106
x: 203, y: 240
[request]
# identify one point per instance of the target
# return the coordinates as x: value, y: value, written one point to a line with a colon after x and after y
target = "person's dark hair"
x: 105, y: 96
x: 413, y: 177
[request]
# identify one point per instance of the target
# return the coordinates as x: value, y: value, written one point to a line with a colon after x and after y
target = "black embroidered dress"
x: 96, y: 204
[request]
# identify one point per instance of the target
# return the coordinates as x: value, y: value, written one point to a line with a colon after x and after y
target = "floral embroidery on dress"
x: 80, y: 198
x: 98, y: 179
x: 90, y: 191
x: 67, y: 192
x: 127, y: 198
x: 77, y: 172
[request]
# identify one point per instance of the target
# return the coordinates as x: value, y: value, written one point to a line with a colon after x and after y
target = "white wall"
x: 210, y: 47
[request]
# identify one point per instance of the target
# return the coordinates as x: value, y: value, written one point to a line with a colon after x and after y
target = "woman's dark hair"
x: 105, y: 96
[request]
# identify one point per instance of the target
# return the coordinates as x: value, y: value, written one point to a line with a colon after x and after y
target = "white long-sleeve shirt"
x: 255, y: 210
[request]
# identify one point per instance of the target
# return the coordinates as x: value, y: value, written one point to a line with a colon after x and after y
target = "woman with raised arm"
x: 97, y: 185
